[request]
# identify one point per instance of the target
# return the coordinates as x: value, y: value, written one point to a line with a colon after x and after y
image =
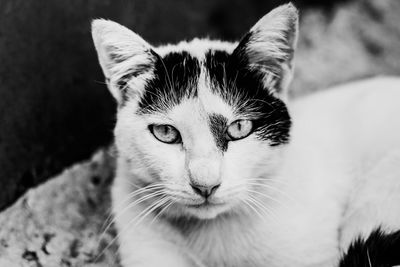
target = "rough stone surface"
x: 63, y: 222
x: 60, y: 223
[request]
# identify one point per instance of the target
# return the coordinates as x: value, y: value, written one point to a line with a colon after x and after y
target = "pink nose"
x: 204, y: 191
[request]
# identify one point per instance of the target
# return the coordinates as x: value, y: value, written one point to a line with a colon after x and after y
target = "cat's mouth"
x: 205, y: 204
x: 207, y: 209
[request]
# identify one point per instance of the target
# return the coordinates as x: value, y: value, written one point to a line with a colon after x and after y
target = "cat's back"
x: 360, y: 116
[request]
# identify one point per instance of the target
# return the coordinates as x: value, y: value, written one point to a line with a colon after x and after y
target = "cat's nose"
x: 204, y: 190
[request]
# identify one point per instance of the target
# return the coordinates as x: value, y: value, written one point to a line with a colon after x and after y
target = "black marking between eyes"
x: 243, y: 88
x: 175, y: 78
x: 218, y: 124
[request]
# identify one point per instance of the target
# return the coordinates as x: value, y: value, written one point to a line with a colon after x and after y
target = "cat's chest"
x: 238, y: 243
x: 298, y: 238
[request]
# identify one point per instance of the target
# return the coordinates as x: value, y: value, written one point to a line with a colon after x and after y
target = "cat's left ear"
x: 269, y: 47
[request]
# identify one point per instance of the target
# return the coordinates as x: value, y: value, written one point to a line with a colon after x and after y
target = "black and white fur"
x: 380, y: 249
x: 308, y: 179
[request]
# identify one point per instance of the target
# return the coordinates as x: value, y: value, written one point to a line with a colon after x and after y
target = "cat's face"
x: 201, y: 123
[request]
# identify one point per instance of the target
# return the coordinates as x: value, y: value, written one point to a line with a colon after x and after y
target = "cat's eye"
x: 165, y: 133
x: 239, y: 129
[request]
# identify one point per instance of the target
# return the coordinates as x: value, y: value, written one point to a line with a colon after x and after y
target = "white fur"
x: 196, y: 47
x: 317, y: 193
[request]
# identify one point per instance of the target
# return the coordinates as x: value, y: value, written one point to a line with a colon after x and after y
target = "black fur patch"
x: 379, y: 250
x: 243, y: 88
x: 218, y: 124
x: 176, y: 77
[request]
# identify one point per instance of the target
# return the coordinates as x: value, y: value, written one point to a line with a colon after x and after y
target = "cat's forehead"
x: 188, y: 62
x: 207, y: 82
x: 184, y: 71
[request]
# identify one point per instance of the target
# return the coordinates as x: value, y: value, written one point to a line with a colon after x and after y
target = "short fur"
x: 285, y: 195
x: 380, y: 249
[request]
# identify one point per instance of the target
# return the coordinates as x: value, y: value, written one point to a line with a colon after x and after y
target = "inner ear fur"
x: 269, y: 47
x: 125, y: 58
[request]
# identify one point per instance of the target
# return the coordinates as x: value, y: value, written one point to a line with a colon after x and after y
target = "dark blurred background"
x: 54, y: 108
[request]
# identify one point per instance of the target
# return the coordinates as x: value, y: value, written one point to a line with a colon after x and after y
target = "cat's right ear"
x: 126, y: 59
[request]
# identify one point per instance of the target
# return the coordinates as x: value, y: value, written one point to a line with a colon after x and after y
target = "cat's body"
x: 215, y: 170
x: 341, y: 179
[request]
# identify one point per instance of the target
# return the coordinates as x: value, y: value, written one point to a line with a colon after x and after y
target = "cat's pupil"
x: 166, y: 130
x: 239, y: 126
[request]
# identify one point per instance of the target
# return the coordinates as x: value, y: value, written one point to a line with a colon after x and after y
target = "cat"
x: 216, y: 167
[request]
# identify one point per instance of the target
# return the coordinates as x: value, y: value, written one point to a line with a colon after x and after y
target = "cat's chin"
x: 206, y: 212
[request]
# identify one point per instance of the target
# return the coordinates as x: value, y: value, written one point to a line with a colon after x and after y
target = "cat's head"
x: 201, y: 122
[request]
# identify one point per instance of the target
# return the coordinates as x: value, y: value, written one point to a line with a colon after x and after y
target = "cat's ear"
x: 126, y: 59
x: 269, y: 46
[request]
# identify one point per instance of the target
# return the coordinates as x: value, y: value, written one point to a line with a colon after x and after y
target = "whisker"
x: 130, y: 196
x: 162, y: 210
x: 145, y: 211
x: 274, y: 189
x: 159, y: 204
x: 266, y: 196
x: 107, y: 224
x: 282, y: 182
x: 141, y: 191
x: 268, y: 212
x: 248, y: 203
x: 130, y: 205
